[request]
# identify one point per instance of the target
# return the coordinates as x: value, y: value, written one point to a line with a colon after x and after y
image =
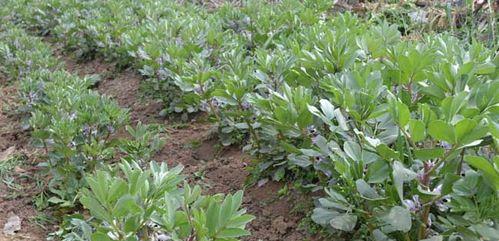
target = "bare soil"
x: 21, y: 182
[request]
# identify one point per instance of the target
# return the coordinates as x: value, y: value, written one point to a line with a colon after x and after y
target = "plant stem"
x: 406, y: 237
x: 440, y: 161
x: 492, y: 21
x: 424, y: 216
x: 408, y: 138
x: 253, y: 133
x: 189, y: 220
x: 460, y: 166
x: 426, y: 182
x: 250, y: 128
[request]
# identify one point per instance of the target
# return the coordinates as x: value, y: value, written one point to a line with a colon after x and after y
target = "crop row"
x: 401, y: 133
x: 128, y: 200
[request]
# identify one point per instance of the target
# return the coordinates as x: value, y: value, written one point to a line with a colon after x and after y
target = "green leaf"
x: 403, y: 114
x: 232, y: 233
x: 342, y: 122
x: 237, y: 200
x: 327, y: 108
x: 131, y: 224
x: 467, y: 186
x: 376, y: 171
x: 95, y: 208
x: 323, y: 216
x: 352, y: 149
x: 428, y: 154
x: 463, y: 127
x: 401, y: 175
x: 310, y: 152
x: 117, y: 189
x: 99, y: 186
x: 365, y: 190
x: 487, y: 232
x: 212, y: 215
x: 387, y: 153
x: 399, y: 219
x: 301, y: 160
x: 469, y: 131
x: 344, y: 222
x: 480, y: 163
x: 380, y: 236
x: 335, y: 196
x: 417, y: 130
x: 333, y: 204
x: 99, y: 236
x: 126, y: 206
x: 485, y: 68
x: 240, y: 221
x: 449, y: 180
x: 226, y: 210
x: 442, y: 131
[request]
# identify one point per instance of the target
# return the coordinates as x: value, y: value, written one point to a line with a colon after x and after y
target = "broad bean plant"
x: 81, y: 156
x: 400, y: 131
x: 148, y: 204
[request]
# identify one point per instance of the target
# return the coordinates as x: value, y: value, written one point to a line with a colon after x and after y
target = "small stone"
x: 262, y: 182
x: 13, y: 224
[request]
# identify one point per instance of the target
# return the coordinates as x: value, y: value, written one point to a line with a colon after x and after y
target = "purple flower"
x: 110, y: 128
x: 438, y: 189
x: 86, y: 130
x: 315, y: 139
x: 420, y: 175
x: 430, y: 164
x: 445, y: 145
x: 312, y: 131
x: 163, y: 237
x: 198, y: 89
x: 246, y: 105
x: 413, y: 204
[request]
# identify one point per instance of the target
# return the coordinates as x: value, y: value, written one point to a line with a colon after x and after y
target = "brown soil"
x: 20, y: 183
x: 218, y: 170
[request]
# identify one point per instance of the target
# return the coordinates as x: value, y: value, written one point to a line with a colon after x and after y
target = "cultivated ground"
x: 220, y: 170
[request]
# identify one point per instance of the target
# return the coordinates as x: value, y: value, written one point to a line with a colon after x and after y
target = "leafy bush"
x: 61, y: 113
x: 21, y: 54
x: 77, y: 141
x: 148, y: 203
x: 413, y: 164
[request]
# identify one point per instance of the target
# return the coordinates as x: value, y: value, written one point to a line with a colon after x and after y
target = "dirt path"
x: 192, y: 145
x: 20, y: 181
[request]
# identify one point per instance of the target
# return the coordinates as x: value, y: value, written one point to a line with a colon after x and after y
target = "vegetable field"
x: 249, y: 120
